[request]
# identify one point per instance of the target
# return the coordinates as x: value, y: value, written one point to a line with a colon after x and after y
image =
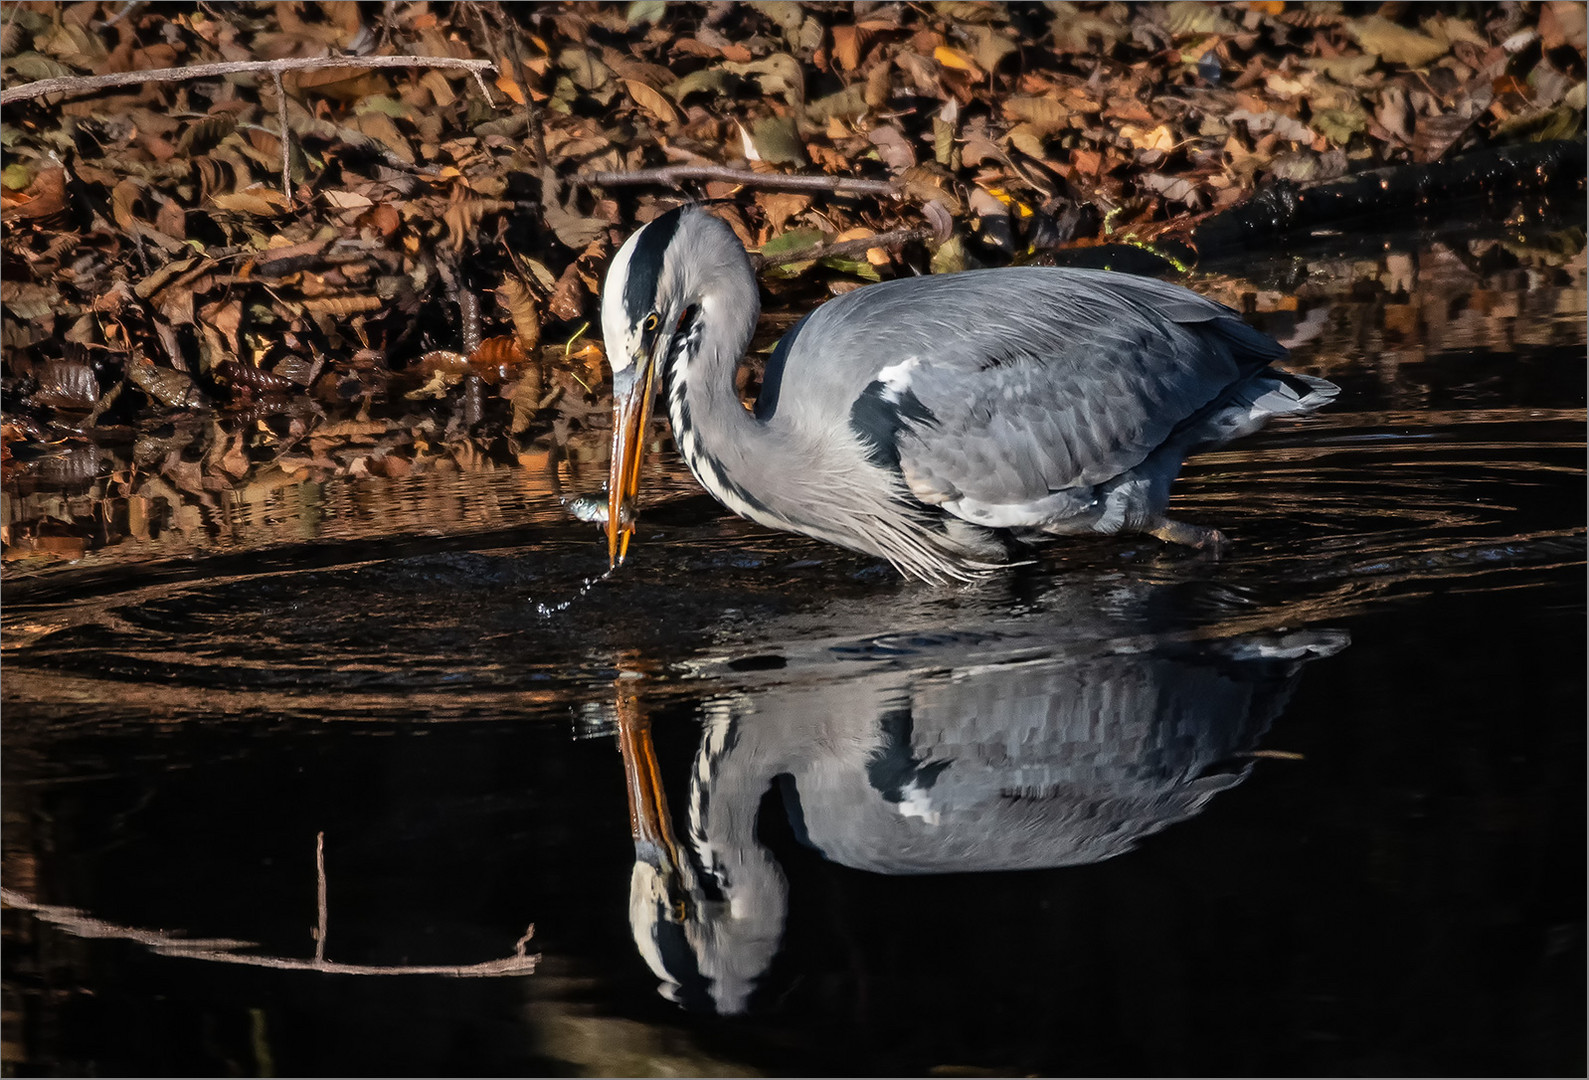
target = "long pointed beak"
x: 649, y: 822
x: 631, y: 412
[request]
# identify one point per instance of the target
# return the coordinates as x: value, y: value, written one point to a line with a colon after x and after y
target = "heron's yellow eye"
x: 651, y: 322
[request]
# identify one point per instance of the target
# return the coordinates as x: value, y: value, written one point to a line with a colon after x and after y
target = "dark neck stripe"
x: 645, y: 265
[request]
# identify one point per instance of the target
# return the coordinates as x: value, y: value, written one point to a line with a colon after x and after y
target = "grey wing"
x: 1033, y: 381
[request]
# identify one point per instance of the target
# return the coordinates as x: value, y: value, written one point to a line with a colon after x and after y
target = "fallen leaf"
x: 652, y: 101
x: 847, y: 43
x: 777, y: 141
x: 1394, y: 43
x: 45, y: 197
x: 958, y: 61
x: 515, y: 297
x: 892, y: 146
x: 347, y: 200
x: 261, y: 200
x: 1562, y: 22
x: 1043, y: 114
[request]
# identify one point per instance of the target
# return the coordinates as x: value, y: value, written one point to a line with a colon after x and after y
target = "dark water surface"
x: 1314, y: 808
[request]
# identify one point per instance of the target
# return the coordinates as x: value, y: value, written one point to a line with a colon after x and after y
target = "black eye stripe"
x: 645, y: 264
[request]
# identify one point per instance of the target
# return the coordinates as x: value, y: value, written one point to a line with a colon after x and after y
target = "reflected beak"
x: 631, y: 412
x: 649, y: 823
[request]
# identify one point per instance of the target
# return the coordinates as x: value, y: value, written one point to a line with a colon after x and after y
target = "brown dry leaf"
x: 123, y: 197
x: 1562, y: 22
x: 990, y: 46
x: 44, y: 197
x: 1282, y: 125
x: 1450, y: 30
x: 892, y: 146
x: 1346, y: 70
x: 1078, y: 32
x: 381, y: 127
x: 171, y: 219
x: 515, y: 296
x: 1187, y: 18
x: 1174, y: 188
x: 780, y: 206
x: 1394, y: 114
x: 567, y: 302
x: 1160, y: 138
x: 168, y: 387
x: 1394, y: 43
x: 1045, y: 115
x: 847, y: 44
x: 261, y: 200
x: 573, y: 229
x: 652, y: 101
x: 779, y: 73
x: 343, y: 305
x: 343, y: 84
x: 1028, y: 139
x: 1434, y: 135
x: 347, y: 200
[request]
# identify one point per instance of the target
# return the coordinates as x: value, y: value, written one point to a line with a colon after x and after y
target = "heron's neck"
x: 716, y: 434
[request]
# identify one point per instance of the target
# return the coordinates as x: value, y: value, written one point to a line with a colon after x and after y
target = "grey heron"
x: 931, y: 420
x: 1057, y: 741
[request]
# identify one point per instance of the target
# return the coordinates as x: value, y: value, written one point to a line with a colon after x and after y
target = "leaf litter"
x: 378, y: 271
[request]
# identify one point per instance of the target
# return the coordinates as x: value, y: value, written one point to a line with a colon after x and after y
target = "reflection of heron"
x: 975, y: 764
x: 928, y: 419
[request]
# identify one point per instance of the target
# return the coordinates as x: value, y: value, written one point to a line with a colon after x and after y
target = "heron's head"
x: 679, y: 288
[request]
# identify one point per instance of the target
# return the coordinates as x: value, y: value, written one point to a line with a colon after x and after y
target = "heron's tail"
x: 1267, y: 394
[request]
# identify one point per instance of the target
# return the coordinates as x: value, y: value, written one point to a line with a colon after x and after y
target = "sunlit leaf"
x: 1395, y: 43
x: 706, y: 80
x: 645, y: 12
x: 777, y: 141
x: 652, y: 101
x: 261, y: 200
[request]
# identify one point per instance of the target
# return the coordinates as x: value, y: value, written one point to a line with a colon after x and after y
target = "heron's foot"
x: 1193, y: 536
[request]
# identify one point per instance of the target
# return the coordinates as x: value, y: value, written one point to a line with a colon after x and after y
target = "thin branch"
x: 225, y: 950
x: 286, y: 147
x: 532, y: 111
x: 845, y: 248
x: 323, y: 907
x: 83, y: 84
x: 674, y: 175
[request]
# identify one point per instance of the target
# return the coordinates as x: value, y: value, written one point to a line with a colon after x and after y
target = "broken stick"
x: 84, y: 84
x: 674, y: 175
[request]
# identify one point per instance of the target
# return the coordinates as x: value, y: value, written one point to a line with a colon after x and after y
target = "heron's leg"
x: 1192, y: 536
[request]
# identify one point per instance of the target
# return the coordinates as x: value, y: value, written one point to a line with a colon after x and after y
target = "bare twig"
x: 83, y: 84
x: 532, y: 112
x: 674, y: 175
x: 286, y: 147
x: 322, y: 927
x: 225, y: 950
x: 844, y: 248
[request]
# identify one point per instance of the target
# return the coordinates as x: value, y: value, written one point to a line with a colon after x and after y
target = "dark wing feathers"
x: 1035, y: 379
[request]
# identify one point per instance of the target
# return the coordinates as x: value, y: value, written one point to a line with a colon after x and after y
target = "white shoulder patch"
x: 896, y: 378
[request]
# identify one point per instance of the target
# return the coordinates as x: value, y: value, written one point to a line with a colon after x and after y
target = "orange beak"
x: 631, y: 412
x: 649, y: 822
